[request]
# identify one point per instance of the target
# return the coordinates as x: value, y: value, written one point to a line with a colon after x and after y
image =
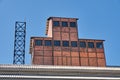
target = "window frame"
x: 56, y: 23
x: 56, y: 43
x: 46, y: 42
x: 99, y: 45
x: 71, y: 24
x: 91, y: 45
x: 65, y: 43
x: 74, y: 45
x: 38, y: 42
x: 64, y: 24
x: 83, y: 45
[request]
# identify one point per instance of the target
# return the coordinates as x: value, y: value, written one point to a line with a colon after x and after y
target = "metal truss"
x: 19, y: 43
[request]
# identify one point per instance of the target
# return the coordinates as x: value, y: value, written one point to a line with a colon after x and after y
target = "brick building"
x: 63, y: 47
x: 63, y: 56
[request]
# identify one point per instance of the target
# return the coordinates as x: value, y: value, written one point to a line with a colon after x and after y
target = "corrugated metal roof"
x: 48, y: 72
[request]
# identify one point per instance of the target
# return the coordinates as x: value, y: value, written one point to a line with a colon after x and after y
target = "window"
x: 74, y: 43
x: 48, y: 43
x: 90, y: 45
x: 56, y: 43
x: 38, y: 42
x: 72, y: 24
x: 56, y: 23
x: 82, y: 44
x: 65, y: 43
x: 99, y: 45
x: 64, y: 24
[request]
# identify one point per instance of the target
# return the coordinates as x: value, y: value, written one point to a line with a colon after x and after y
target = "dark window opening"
x: 82, y: 44
x: 90, y: 45
x: 74, y: 43
x: 48, y: 43
x: 65, y: 43
x: 72, y: 24
x: 99, y: 45
x: 56, y: 43
x: 38, y: 42
x: 64, y: 24
x: 56, y: 23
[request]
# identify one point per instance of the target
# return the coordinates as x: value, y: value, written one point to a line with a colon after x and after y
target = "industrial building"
x: 63, y: 47
x: 61, y: 56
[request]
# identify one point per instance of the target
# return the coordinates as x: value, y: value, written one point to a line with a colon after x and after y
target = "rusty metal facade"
x: 66, y: 55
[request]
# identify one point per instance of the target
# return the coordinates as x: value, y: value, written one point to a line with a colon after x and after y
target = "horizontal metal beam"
x: 58, y: 77
x: 64, y: 68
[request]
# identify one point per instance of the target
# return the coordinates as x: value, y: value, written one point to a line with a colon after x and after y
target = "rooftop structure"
x: 63, y: 47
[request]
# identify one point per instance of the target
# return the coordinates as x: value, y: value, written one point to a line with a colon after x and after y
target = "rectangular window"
x: 56, y: 23
x: 38, y: 42
x: 90, y: 45
x: 99, y: 45
x: 56, y: 43
x: 74, y: 43
x: 64, y: 24
x: 82, y: 44
x: 48, y: 43
x: 65, y: 43
x: 72, y: 24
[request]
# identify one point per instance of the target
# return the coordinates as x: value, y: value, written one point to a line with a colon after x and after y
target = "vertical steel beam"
x: 19, y: 43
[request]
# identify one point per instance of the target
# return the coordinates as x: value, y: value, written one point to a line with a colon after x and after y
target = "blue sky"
x: 98, y: 19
